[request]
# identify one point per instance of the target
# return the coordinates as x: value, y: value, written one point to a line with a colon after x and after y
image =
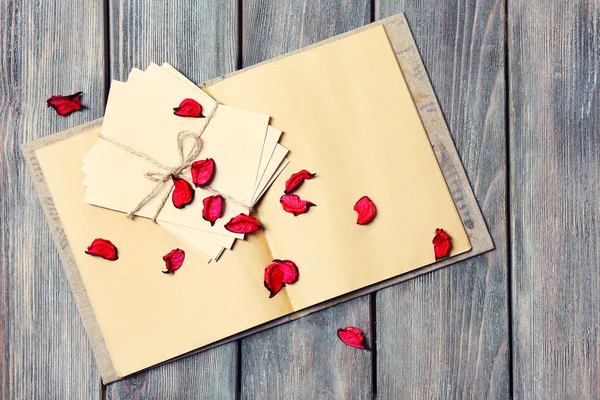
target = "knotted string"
x: 166, y: 173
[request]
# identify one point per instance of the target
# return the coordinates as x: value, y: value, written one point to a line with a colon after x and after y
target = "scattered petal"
x: 189, y: 108
x: 203, y: 171
x: 173, y: 260
x: 296, y: 180
x: 442, y: 243
x: 366, y: 210
x: 290, y: 270
x: 103, y: 248
x: 65, y: 105
x: 352, y: 336
x: 243, y: 224
x: 183, y: 193
x: 278, y: 274
x: 213, y: 208
x: 294, y: 204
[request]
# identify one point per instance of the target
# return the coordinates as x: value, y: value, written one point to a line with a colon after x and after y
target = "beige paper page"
x: 145, y: 316
x: 348, y: 115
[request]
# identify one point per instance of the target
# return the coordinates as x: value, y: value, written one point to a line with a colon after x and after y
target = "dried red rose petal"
x: 213, y: 208
x: 65, y: 105
x: 183, y: 193
x: 103, y: 248
x: 294, y: 204
x: 296, y: 180
x: 243, y: 224
x: 189, y: 108
x: 278, y: 274
x: 366, y: 210
x: 173, y: 260
x: 202, y: 171
x: 442, y: 243
x: 352, y: 336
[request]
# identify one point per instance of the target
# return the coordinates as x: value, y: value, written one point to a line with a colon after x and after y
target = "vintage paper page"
x: 145, y: 316
x: 137, y: 317
x: 348, y: 115
x: 362, y: 137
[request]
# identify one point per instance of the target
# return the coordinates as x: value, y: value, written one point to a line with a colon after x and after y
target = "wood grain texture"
x: 46, y: 48
x: 208, y: 375
x: 270, y: 29
x: 304, y: 359
x: 555, y: 187
x: 445, y: 334
x: 200, y: 39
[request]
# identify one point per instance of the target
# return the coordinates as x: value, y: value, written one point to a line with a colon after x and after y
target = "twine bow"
x: 166, y: 172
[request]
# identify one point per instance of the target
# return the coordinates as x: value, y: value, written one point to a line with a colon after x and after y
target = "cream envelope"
x: 362, y: 136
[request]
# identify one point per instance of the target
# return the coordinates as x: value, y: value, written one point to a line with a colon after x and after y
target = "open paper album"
x: 190, y: 215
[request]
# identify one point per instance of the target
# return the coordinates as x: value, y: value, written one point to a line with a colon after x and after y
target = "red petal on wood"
x: 65, y: 105
x: 366, y: 210
x: 442, y: 243
x: 103, y: 248
x: 296, y: 180
x: 213, y: 208
x: 243, y: 224
x: 294, y: 204
x: 352, y: 336
x: 173, y: 260
x: 202, y: 171
x: 189, y: 108
x: 278, y: 274
x: 183, y: 193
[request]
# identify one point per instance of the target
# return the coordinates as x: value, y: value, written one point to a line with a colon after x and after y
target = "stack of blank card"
x: 139, y: 115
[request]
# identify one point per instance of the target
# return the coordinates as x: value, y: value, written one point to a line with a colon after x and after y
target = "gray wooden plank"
x: 554, y: 184
x: 304, y: 359
x: 445, y: 334
x: 46, y: 48
x: 208, y: 375
x: 200, y: 38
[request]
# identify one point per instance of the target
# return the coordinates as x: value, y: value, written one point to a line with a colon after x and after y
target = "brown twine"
x: 167, y: 172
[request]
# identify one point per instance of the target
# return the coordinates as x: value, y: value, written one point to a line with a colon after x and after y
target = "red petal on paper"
x: 203, y: 171
x: 173, y: 260
x: 183, y: 193
x: 65, y: 105
x: 189, y: 108
x: 213, y: 208
x: 294, y: 204
x: 366, y: 210
x: 290, y: 270
x: 273, y: 279
x: 296, y: 180
x: 278, y: 274
x: 243, y: 224
x: 442, y: 243
x: 103, y: 248
x: 352, y: 336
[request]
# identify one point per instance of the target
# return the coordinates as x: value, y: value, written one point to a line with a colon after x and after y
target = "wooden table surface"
x: 518, y: 83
